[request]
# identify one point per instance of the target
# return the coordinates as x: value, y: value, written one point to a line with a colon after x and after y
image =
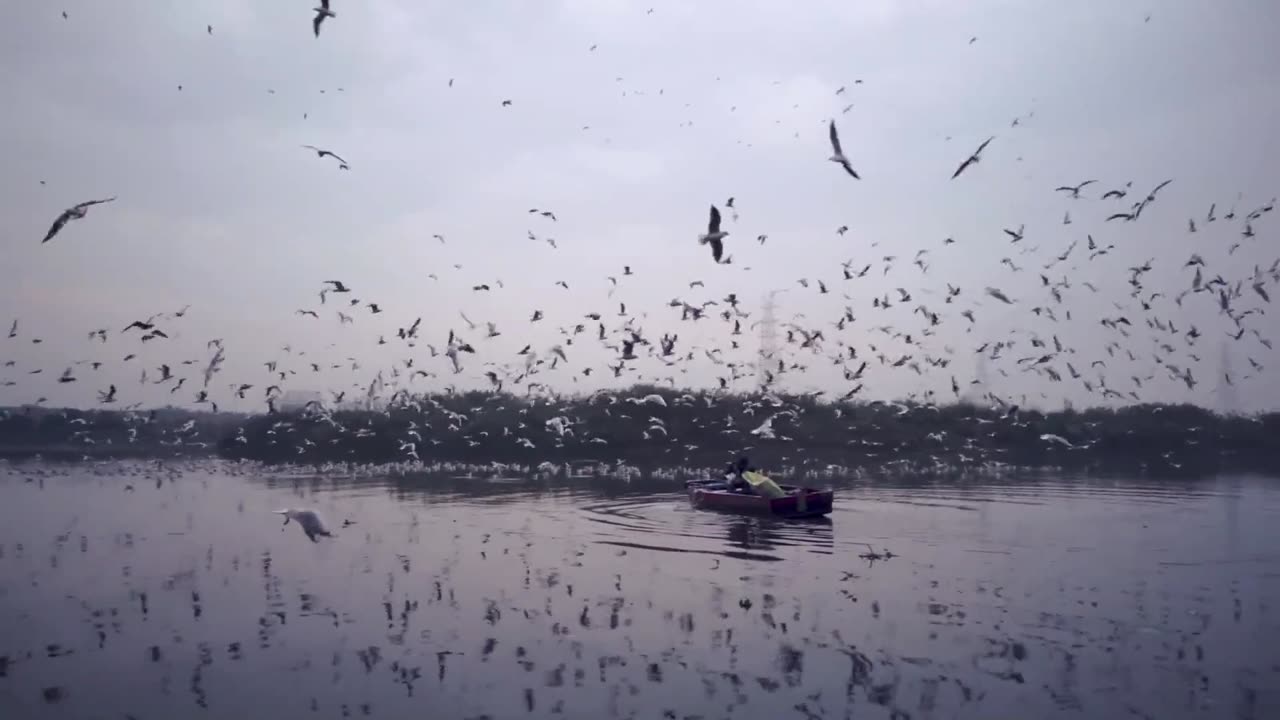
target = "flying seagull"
x: 837, y: 155
x: 714, y: 236
x: 1074, y: 190
x: 342, y: 164
x: 309, y: 520
x: 972, y: 158
x: 322, y: 12
x: 72, y: 213
x: 995, y: 293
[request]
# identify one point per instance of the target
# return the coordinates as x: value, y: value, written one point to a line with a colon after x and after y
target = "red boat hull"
x: 807, y: 502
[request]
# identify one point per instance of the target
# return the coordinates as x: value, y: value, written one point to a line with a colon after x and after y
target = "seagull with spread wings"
x: 1074, y: 190
x: 837, y: 155
x: 714, y: 235
x: 72, y: 213
x: 322, y: 12
x: 972, y: 159
x: 342, y: 164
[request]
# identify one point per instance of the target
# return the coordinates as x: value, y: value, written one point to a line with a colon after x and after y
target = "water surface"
x: 159, y: 591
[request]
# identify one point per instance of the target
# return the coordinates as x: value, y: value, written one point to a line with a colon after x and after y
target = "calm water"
x: 152, y: 591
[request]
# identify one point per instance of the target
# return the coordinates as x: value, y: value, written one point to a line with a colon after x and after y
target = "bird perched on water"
x: 714, y: 235
x: 837, y: 155
x: 72, y: 213
x: 972, y: 159
x: 308, y: 520
x: 322, y: 12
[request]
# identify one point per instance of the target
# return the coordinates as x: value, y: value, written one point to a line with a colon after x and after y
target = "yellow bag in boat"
x: 763, y: 485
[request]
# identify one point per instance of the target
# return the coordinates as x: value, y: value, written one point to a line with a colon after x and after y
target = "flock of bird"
x: 1044, y: 314
x: 892, y: 321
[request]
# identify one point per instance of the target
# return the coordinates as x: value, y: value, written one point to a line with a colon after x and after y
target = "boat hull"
x: 798, y: 502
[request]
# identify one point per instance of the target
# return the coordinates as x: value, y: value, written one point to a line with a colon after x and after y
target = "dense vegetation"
x: 74, y: 433
x: 669, y: 428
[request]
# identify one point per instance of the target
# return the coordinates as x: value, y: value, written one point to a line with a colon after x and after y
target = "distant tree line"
x: 702, y: 429
x: 656, y: 427
x: 71, y: 433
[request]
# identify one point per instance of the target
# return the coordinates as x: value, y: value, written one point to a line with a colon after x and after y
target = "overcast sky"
x: 627, y: 120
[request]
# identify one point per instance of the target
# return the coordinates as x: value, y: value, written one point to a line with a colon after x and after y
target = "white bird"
x: 766, y: 429
x: 560, y: 425
x: 653, y: 399
x: 309, y: 520
x: 837, y: 155
x: 1050, y: 437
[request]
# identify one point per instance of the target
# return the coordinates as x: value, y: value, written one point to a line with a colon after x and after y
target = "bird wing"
x: 717, y: 248
x: 835, y: 139
x: 983, y: 146
x: 91, y: 203
x: 713, y: 225
x: 849, y: 169
x: 315, y: 23
x: 57, y: 226
x: 967, y: 162
x: 324, y: 4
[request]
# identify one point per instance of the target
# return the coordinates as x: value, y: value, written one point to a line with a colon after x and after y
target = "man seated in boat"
x: 734, y: 475
x: 742, y: 478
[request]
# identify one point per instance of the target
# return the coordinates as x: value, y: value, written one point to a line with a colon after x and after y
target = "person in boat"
x: 734, y: 475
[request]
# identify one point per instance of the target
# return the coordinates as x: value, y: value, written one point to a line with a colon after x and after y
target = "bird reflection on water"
x: 503, y: 596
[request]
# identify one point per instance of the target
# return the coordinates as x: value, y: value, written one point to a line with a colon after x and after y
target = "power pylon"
x: 768, y: 338
x: 1228, y: 403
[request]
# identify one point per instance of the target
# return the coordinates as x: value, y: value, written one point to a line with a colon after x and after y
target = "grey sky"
x: 220, y: 208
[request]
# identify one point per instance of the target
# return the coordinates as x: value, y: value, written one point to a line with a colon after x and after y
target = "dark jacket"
x: 734, y: 473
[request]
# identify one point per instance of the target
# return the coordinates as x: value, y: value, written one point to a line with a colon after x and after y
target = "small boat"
x: 796, y: 502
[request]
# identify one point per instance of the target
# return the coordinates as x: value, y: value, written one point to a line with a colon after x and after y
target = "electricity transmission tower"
x: 978, y: 390
x: 1228, y: 403
x: 768, y: 338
